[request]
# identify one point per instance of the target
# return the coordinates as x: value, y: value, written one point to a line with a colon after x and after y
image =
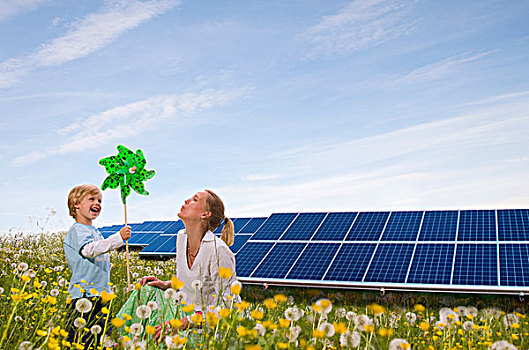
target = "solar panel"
x: 514, y: 265
x: 432, y: 263
x: 304, y: 227
x: 248, y: 258
x: 274, y: 227
x: 513, y: 225
x: 279, y: 261
x: 476, y: 264
x: 390, y: 263
x: 142, y: 239
x: 403, y: 226
x: 439, y: 226
x: 174, y: 227
x: 368, y: 226
x: 168, y: 247
x: 314, y: 261
x: 477, y: 225
x: 335, y: 227
x: 238, y: 242
x: 156, y: 244
x: 252, y: 226
x: 350, y: 263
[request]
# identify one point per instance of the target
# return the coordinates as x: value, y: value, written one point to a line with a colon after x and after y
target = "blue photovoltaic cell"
x: 249, y: 256
x: 476, y: 264
x: 279, y: 261
x: 156, y: 244
x: 174, y: 227
x: 169, y: 246
x: 439, y: 226
x: 513, y: 225
x: 252, y: 225
x: 303, y: 227
x: 142, y: 238
x: 274, y: 227
x: 514, y: 265
x: 390, y: 263
x: 403, y: 226
x: 314, y: 261
x: 334, y: 227
x: 350, y: 262
x: 146, y: 226
x: 238, y: 242
x: 477, y: 225
x: 240, y: 223
x: 368, y: 226
x: 432, y: 263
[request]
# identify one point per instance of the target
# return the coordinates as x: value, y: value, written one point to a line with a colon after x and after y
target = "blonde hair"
x: 78, y: 193
x: 215, y: 206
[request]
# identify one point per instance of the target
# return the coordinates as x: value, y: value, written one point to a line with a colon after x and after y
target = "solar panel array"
x: 454, y: 250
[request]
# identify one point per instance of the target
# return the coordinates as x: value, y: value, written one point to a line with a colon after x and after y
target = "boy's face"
x: 89, y: 208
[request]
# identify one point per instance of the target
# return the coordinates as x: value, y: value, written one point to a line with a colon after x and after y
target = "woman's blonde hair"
x: 215, y: 206
x: 78, y: 193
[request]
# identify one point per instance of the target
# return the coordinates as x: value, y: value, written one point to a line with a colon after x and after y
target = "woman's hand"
x: 155, y: 282
x: 159, y: 329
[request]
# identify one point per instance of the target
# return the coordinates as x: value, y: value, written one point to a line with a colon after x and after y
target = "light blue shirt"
x: 95, y: 271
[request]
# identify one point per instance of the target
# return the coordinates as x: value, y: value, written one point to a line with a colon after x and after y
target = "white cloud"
x: 11, y: 8
x: 260, y: 177
x: 129, y: 120
x: 85, y: 37
x: 359, y: 24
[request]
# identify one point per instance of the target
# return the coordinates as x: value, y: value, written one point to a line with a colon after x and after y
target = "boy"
x: 87, y: 253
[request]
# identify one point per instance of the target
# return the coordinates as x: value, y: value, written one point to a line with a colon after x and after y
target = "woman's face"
x: 195, y: 207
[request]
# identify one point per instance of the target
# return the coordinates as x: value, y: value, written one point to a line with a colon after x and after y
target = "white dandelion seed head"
x: 462, y: 310
x: 293, y: 335
x: 327, y: 308
x: 411, y: 318
x: 180, y: 296
x: 95, y: 329
x: 350, y: 316
x: 25, y: 345
x: 54, y: 292
x: 467, y: 325
x: 108, y: 342
x: 157, y: 271
x: 58, y: 268
x: 440, y: 324
x: 196, y: 284
x: 260, y: 329
x: 136, y: 328
x: 169, y: 293
x: 509, y: 319
x: 43, y: 283
x: 399, y: 344
x: 18, y: 318
x: 448, y: 316
x: 83, y: 305
x: 139, y: 267
x: 13, y: 265
x: 293, y: 313
x: 290, y: 300
x: 30, y: 273
x: 361, y: 321
x: 16, y: 256
x: 152, y: 304
x: 135, y: 275
x: 502, y: 345
x: 22, y: 266
x: 143, y: 311
x: 62, y: 282
x: 1, y: 290
x: 350, y: 339
x: 327, y: 328
x: 79, y: 322
x: 340, y: 312
x: 472, y: 310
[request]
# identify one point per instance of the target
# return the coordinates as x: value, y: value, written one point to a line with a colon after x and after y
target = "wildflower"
x: 257, y: 314
x: 398, y: 344
x: 22, y: 266
x: 150, y: 330
x: 280, y: 298
x: 235, y: 288
x: 325, y: 305
x: 340, y: 327
x: 1, y: 290
x: 410, y: 317
x: 419, y: 308
x: 180, y: 296
x: 197, y: 318
x: 350, y: 316
x: 509, y: 319
x: 253, y: 347
x: 241, y: 331
x: 491, y: 312
x: 136, y: 328
x: 170, y: 293
x: 18, y: 318
x: 385, y: 332
x: 96, y: 329
x: 270, y: 304
x: 83, y: 305
x: 282, y: 345
x: 242, y: 305
x: 143, y: 311
x: 293, y: 313
x: 468, y: 325
x: 370, y: 328
x: 502, y: 345
x: 196, y: 284
x: 212, y: 319
x: 224, y: 313
x: 318, y: 333
x: 152, y: 305
x: 284, y: 323
x: 54, y: 292
x: 350, y: 340
x: 25, y: 278
x: 41, y: 333
x: 340, y: 312
x: 118, y: 322
x: 361, y: 321
x: 424, y: 326
x: 79, y: 322
x: 225, y: 272
x: 327, y: 328
x: 25, y: 345
x: 376, y: 309
x: 260, y: 329
x: 176, y: 324
x: 62, y: 282
x: 188, y: 308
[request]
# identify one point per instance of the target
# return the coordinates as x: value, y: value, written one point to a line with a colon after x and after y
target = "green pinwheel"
x: 126, y: 170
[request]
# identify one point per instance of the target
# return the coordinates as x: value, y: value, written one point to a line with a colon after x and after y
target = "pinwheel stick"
x: 127, y: 250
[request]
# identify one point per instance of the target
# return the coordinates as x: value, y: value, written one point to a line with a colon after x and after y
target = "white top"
x: 96, y: 248
x: 213, y: 253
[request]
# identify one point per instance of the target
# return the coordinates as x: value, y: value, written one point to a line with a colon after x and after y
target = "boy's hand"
x: 125, y: 232
x: 155, y: 282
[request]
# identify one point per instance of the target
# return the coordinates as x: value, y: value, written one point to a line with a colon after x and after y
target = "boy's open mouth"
x: 94, y: 210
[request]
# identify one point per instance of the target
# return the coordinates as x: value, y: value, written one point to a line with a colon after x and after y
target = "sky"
x: 278, y: 106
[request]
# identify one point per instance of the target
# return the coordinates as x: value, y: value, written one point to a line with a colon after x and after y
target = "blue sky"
x: 278, y: 106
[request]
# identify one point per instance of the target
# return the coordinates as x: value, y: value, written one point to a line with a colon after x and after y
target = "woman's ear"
x: 206, y: 215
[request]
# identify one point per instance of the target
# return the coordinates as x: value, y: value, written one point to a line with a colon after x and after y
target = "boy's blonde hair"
x: 78, y: 193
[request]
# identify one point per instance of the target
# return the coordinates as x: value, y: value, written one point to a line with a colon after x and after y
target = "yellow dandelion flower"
x: 242, y: 331
x: 257, y: 315
x: 424, y: 326
x: 63, y: 333
x: 176, y: 283
x: 270, y: 304
x: 280, y: 298
x: 225, y: 272
x: 188, y: 308
x: 515, y: 325
x: 197, y: 318
x: 282, y: 345
x: 175, y: 323
x: 317, y: 333
x: 224, y: 313
x: 340, y: 327
x: 118, y: 322
x: 284, y: 323
x: 150, y: 330
x: 235, y: 288
x: 242, y: 305
x: 369, y: 328
x: 212, y: 319
x: 515, y: 337
x: 376, y: 309
x: 25, y: 278
x: 385, y: 332
x: 104, y: 310
x: 419, y: 308
x: 253, y: 347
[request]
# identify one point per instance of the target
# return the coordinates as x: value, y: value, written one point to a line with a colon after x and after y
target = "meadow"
x: 33, y: 312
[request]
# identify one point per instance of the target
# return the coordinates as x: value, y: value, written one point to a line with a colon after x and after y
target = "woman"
x: 199, y: 254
